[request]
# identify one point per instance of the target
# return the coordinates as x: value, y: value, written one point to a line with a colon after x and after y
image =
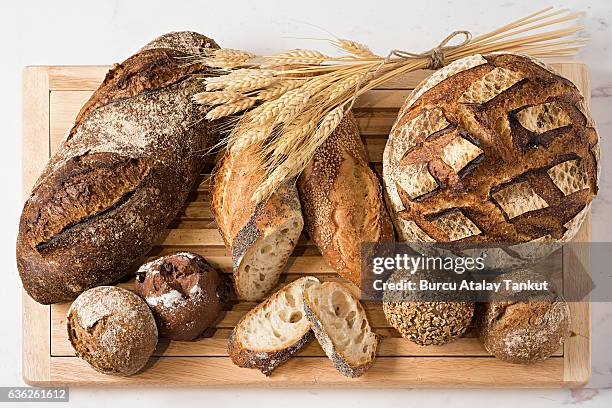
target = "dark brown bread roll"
x: 342, y: 201
x: 185, y: 293
x: 120, y: 176
x: 112, y: 329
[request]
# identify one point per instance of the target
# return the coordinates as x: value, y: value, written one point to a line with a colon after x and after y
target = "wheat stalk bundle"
x: 289, y: 103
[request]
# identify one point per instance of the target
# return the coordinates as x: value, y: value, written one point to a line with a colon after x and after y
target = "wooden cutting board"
x: 52, y: 96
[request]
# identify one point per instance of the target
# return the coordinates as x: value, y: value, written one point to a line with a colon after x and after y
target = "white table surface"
x: 102, y: 32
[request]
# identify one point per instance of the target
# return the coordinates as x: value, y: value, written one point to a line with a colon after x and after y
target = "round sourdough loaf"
x: 494, y: 148
x: 112, y: 329
x: 523, y: 327
x: 185, y: 293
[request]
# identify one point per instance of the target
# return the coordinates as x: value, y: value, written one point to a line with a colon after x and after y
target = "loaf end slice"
x: 262, y: 252
x: 261, y: 236
x: 272, y: 332
x: 341, y: 326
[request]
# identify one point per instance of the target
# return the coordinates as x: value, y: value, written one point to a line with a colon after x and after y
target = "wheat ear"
x: 230, y: 108
x: 355, y: 48
x: 217, y: 97
x: 228, y: 58
x: 294, y: 164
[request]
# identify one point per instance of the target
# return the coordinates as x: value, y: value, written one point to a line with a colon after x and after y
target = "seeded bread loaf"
x: 427, y: 317
x: 495, y: 148
x: 260, y: 237
x: 120, y: 176
x: 342, y: 201
x: 273, y: 331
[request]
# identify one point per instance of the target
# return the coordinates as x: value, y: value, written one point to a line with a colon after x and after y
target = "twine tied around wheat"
x: 284, y: 106
x: 437, y: 55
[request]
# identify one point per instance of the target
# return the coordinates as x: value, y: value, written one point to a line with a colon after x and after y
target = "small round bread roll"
x: 527, y: 330
x: 427, y: 317
x: 184, y: 292
x: 112, y: 329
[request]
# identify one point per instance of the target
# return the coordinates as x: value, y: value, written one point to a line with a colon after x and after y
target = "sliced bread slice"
x: 274, y: 330
x: 341, y: 326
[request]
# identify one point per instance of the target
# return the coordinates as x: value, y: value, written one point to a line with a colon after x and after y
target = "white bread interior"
x: 277, y: 323
x: 264, y: 261
x: 344, y: 321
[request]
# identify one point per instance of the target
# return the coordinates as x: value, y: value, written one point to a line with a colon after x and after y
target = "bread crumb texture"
x: 341, y: 326
x: 261, y: 237
x: 272, y: 332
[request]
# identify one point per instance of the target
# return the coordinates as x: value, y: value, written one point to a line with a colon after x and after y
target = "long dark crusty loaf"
x: 260, y: 237
x: 120, y: 176
x: 342, y: 201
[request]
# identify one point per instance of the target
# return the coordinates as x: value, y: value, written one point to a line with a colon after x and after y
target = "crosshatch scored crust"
x: 492, y: 149
x: 48, y: 357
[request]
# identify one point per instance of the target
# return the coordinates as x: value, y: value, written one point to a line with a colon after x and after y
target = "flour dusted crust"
x: 188, y: 42
x: 342, y: 201
x: 185, y: 293
x: 518, y: 198
x: 544, y: 117
x: 490, y: 85
x: 523, y: 330
x: 112, y: 329
x: 569, y: 176
x: 511, y: 152
x: 118, y: 179
x: 442, y: 74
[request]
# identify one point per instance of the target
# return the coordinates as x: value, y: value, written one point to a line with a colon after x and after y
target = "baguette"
x: 342, y: 201
x: 120, y: 176
x: 273, y: 331
x: 341, y: 327
x: 260, y: 237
